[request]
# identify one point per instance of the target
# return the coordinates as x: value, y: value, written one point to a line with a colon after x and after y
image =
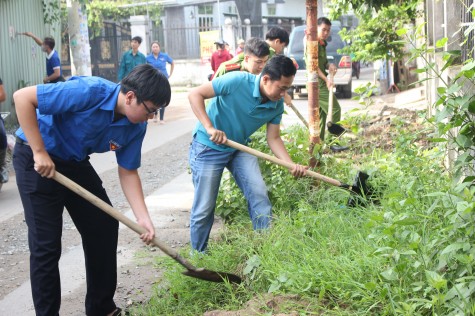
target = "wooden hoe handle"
x: 281, y: 162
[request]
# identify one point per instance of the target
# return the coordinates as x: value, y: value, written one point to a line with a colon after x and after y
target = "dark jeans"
x: 43, y: 202
x: 3, y: 135
x: 60, y: 79
x: 162, y: 113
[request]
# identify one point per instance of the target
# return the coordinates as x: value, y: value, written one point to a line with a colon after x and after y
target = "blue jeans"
x: 207, y: 166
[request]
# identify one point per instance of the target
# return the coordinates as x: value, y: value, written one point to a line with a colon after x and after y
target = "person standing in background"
x: 53, y: 64
x: 3, y: 142
x: 131, y: 58
x: 219, y: 56
x: 240, y: 47
x: 325, y: 83
x: 159, y: 60
x: 278, y: 39
x: 228, y: 48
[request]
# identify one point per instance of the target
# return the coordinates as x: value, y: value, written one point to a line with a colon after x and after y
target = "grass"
x: 409, y: 253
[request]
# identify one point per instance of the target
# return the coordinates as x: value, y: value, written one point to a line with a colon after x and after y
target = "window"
x: 205, y: 23
x: 205, y: 9
x: 271, y: 9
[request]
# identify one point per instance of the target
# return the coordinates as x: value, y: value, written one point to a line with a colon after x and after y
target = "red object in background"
x: 219, y: 57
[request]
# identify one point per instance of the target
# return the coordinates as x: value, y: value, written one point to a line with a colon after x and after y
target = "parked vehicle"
x: 343, y: 77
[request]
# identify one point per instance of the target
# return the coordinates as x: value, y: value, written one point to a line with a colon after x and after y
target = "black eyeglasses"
x: 154, y: 112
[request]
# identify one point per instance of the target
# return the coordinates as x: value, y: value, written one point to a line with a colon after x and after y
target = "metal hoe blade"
x: 212, y: 276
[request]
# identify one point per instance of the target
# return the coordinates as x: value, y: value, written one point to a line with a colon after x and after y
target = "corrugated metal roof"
x: 21, y: 59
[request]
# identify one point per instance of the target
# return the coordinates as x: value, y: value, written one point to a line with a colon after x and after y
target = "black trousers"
x: 43, y: 202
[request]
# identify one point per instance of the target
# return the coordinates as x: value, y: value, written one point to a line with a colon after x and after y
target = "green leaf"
x: 252, y: 263
x: 441, y: 43
x: 390, y: 275
x: 437, y: 140
x: 471, y: 107
x: 275, y: 286
x: 435, y: 280
x: 469, y: 66
x: 401, y: 32
x: 370, y: 286
x: 453, y: 248
x: 407, y: 221
x: 441, y: 90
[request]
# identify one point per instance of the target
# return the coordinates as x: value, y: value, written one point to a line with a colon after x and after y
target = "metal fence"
x: 106, y: 50
x: 178, y: 42
x: 184, y: 42
x: 467, y: 22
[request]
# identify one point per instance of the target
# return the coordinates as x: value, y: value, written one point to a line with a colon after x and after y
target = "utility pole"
x: 79, y: 48
x: 311, y: 53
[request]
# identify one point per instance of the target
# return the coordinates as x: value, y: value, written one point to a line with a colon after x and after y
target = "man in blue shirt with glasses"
x: 60, y: 126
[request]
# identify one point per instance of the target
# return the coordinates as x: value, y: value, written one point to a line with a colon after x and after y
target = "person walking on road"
x: 3, y: 142
x: 131, y: 58
x: 240, y: 104
x: 60, y: 126
x: 53, y: 64
x: 159, y: 60
x: 325, y: 82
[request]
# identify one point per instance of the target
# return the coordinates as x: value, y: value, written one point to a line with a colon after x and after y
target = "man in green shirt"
x: 253, y: 59
x: 131, y: 58
x: 278, y: 39
x: 325, y: 83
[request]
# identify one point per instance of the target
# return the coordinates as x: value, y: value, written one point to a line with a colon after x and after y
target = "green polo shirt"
x: 237, y: 109
x: 129, y: 61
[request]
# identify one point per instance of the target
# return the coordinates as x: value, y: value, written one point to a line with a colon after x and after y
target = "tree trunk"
x: 311, y: 53
x: 80, y: 50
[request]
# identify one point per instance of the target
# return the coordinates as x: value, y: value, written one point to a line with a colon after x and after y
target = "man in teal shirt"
x: 131, y: 58
x: 241, y: 103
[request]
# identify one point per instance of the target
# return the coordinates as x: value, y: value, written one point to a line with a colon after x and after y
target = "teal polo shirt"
x: 237, y: 109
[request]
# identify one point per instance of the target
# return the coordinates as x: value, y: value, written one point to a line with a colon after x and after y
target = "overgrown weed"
x: 409, y: 254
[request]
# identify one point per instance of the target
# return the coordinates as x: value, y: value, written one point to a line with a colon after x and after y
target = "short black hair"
x: 256, y: 47
x: 148, y: 84
x: 278, y: 33
x: 279, y: 66
x: 137, y: 38
x: 324, y: 20
x: 49, y: 41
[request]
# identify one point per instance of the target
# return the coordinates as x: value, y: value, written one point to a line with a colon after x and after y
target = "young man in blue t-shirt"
x: 53, y: 64
x: 60, y: 126
x: 240, y: 104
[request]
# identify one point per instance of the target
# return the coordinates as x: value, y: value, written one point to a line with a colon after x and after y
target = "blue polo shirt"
x: 160, y: 62
x: 53, y: 62
x: 237, y: 109
x: 76, y: 119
